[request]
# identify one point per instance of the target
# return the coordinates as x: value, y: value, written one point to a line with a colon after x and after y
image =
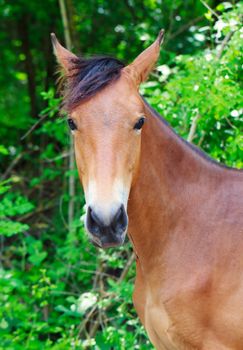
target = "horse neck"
x: 170, y: 174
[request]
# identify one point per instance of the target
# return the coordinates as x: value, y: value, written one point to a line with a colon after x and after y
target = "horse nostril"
x: 119, y: 222
x: 93, y: 222
x: 95, y: 218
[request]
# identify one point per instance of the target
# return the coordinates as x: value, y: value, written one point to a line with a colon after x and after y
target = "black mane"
x: 88, y: 76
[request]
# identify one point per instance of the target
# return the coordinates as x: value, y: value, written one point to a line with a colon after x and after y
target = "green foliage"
x: 207, y: 84
x: 57, y: 291
x: 12, y: 205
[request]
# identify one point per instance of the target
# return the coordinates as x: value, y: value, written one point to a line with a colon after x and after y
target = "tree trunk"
x: 71, y: 184
x: 29, y: 67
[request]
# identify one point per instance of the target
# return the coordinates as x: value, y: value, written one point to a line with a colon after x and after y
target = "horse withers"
x: 183, y: 211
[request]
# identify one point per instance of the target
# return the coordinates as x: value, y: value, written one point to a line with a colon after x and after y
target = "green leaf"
x: 9, y: 228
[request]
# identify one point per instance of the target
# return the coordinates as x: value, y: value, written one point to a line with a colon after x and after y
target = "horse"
x: 183, y: 211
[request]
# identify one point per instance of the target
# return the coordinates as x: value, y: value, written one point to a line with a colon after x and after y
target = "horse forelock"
x: 86, y: 77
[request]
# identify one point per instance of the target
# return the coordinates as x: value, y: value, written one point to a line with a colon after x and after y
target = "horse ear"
x: 64, y: 57
x: 140, y: 68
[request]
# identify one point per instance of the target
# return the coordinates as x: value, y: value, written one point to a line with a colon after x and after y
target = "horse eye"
x: 139, y: 124
x: 71, y: 124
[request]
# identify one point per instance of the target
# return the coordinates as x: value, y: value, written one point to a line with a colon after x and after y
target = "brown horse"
x: 185, y: 211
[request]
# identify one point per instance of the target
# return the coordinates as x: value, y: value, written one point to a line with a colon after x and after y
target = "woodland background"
x: 56, y: 290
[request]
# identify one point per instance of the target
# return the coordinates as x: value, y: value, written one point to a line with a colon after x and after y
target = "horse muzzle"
x: 105, y: 232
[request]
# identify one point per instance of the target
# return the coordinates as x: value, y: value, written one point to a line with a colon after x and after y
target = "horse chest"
x: 157, y: 323
x: 164, y: 333
x: 153, y: 316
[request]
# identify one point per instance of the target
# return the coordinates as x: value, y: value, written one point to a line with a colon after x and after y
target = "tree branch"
x: 193, y: 128
x: 224, y: 43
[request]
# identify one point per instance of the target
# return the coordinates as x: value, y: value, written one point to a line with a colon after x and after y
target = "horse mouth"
x: 108, y: 242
